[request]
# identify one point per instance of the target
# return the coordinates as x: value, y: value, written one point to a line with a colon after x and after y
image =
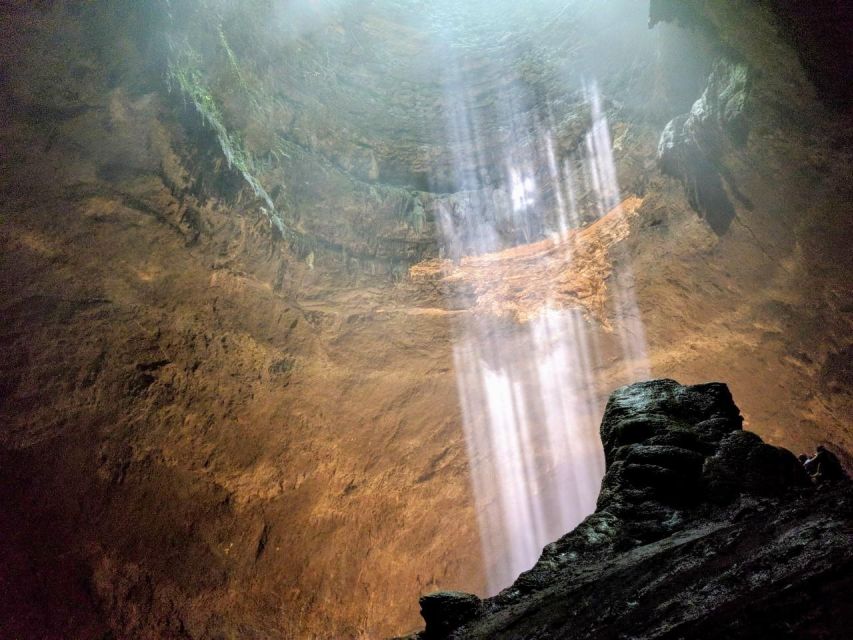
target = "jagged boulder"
x: 444, y: 611
x: 701, y: 530
x: 681, y: 445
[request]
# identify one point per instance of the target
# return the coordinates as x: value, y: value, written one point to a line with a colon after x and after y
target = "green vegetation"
x: 226, y: 64
x: 185, y: 74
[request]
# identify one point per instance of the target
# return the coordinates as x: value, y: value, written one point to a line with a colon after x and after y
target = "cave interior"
x: 311, y: 308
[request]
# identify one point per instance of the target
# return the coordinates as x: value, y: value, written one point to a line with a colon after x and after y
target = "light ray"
x: 527, y: 393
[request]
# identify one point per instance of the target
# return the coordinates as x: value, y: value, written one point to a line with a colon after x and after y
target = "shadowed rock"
x: 701, y: 530
x: 445, y: 611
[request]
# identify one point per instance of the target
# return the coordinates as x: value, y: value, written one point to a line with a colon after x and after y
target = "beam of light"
x: 527, y: 394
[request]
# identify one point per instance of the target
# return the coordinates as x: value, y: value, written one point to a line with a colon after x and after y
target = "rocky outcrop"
x: 692, y: 144
x: 701, y: 531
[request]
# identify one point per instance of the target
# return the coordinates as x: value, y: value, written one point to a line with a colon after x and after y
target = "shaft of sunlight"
x: 528, y: 401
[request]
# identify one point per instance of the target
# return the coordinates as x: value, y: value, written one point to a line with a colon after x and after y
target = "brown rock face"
x: 225, y: 419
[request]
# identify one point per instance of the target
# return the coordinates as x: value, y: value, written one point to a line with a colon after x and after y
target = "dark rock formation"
x: 702, y: 531
x: 822, y: 33
x: 691, y: 144
x: 445, y: 611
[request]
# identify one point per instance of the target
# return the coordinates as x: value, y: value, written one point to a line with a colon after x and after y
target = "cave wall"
x: 216, y: 428
x: 203, y: 433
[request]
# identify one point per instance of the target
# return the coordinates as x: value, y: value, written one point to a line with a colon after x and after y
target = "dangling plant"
x: 184, y: 74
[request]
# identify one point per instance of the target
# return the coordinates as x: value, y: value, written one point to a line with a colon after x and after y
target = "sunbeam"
x: 528, y: 400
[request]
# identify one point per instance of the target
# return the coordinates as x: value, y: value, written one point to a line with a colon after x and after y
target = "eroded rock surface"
x: 215, y: 428
x: 701, y: 531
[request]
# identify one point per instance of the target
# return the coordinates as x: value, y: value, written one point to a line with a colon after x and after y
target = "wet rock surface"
x: 701, y: 531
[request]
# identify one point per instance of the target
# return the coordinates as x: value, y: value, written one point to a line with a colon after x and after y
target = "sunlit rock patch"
x: 557, y: 272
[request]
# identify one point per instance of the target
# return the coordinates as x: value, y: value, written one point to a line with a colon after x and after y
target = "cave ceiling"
x: 370, y: 85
